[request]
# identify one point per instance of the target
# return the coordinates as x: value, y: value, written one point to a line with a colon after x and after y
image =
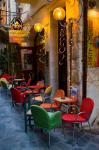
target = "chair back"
x: 6, y: 76
x: 87, y: 107
x: 40, y: 116
x: 59, y: 93
x: 41, y: 83
x: 17, y: 96
x: 48, y: 91
x: 28, y: 82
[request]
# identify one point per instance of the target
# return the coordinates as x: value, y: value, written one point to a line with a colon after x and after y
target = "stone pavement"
x: 13, y: 137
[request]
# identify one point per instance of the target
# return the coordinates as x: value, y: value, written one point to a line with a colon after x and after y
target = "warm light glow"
x: 59, y: 13
x: 24, y: 44
x: 18, y: 36
x: 93, y: 13
x: 38, y: 27
x: 73, y: 10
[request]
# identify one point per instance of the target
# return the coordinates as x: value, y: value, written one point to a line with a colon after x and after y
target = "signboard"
x: 18, y: 36
x: 16, y: 32
x: 16, y: 24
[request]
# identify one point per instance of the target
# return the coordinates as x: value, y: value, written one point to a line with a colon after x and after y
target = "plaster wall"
x: 93, y: 72
x: 93, y: 90
x: 44, y: 15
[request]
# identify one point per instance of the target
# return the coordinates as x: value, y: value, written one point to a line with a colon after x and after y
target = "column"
x: 53, y: 53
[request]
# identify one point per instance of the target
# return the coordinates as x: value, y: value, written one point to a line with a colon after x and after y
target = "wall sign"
x: 16, y: 32
x: 16, y: 24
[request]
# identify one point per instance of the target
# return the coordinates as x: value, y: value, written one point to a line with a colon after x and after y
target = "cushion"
x: 72, y: 118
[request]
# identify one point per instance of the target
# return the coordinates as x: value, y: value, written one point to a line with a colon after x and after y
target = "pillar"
x: 53, y: 53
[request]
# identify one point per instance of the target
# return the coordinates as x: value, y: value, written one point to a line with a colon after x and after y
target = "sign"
x: 16, y: 32
x: 16, y: 24
x: 74, y: 91
x: 18, y: 36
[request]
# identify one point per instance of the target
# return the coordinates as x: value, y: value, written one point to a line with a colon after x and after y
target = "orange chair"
x: 40, y: 83
x: 83, y: 115
x: 54, y: 104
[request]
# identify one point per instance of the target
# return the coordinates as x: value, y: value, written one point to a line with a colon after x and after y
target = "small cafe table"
x: 18, y: 81
x: 67, y: 100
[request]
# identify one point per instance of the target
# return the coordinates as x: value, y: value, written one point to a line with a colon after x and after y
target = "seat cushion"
x: 73, y: 118
x: 38, y: 98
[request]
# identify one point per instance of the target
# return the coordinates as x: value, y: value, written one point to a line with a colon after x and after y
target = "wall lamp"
x: 59, y: 15
x: 39, y: 28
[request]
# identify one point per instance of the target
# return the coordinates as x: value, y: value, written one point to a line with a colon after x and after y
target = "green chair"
x: 45, y: 120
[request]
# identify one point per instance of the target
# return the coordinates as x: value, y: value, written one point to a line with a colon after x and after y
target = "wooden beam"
x: 84, y: 51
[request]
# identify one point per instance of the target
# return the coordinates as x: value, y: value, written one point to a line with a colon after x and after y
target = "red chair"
x: 24, y: 85
x: 54, y: 104
x: 6, y: 76
x: 83, y: 115
x: 17, y: 96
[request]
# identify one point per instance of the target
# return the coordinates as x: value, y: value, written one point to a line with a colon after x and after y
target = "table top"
x: 27, y: 92
x: 63, y: 100
x: 19, y: 79
x: 36, y: 87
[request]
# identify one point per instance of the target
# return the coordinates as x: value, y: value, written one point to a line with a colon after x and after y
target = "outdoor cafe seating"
x: 36, y: 113
x: 30, y: 99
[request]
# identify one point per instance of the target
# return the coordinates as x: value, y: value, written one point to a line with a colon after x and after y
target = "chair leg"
x: 30, y: 121
x: 49, y: 139
x: 25, y: 118
x: 12, y: 104
x: 73, y: 131
x: 26, y: 124
x: 89, y: 125
x: 81, y: 127
x: 63, y: 128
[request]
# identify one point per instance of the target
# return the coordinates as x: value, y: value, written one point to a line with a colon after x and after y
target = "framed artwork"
x: 26, y: 59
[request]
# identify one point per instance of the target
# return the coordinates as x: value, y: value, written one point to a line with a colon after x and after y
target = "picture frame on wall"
x: 26, y: 59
